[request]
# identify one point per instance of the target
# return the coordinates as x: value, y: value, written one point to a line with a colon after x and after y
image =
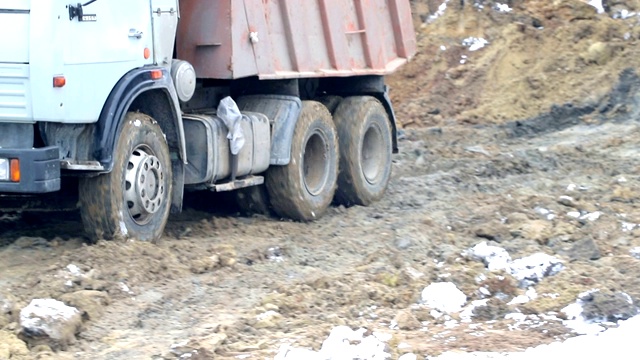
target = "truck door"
x: 103, y: 40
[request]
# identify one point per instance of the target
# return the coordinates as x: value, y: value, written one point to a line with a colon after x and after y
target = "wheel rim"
x: 372, y: 155
x: 315, y: 163
x: 144, y: 184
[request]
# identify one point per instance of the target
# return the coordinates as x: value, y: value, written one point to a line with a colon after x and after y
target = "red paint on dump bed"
x: 276, y: 39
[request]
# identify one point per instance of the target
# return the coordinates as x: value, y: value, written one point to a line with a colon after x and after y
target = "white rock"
x: 494, y: 257
x: 49, y: 318
x: 531, y: 269
x: 444, y: 297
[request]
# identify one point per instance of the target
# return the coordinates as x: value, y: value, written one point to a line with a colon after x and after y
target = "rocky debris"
x: 493, y: 230
x: 29, y: 242
x: 617, y: 342
x: 342, y: 343
x: 7, y: 309
x: 594, y: 308
x: 11, y: 347
x: 204, y: 264
x: 584, y: 249
x: 196, y: 349
x: 49, y: 322
x: 268, y: 319
x: 608, y: 306
x: 443, y: 297
x: 405, y: 320
x: 90, y: 303
x: 567, y: 201
x: 489, y: 309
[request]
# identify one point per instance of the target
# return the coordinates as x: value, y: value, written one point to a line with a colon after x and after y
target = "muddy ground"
x: 558, y: 177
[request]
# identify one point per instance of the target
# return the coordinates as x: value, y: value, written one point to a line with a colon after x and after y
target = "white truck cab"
x: 59, y: 64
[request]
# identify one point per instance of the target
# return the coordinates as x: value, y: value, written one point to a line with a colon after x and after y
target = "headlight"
x: 4, y: 169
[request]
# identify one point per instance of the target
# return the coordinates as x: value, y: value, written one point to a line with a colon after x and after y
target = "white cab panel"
x: 14, y: 41
x: 39, y: 41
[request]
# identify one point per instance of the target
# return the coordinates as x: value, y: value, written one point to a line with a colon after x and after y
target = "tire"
x: 133, y: 200
x: 304, y: 189
x: 364, y: 131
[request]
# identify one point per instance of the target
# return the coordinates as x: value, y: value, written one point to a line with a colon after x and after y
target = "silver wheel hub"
x: 144, y: 185
x: 372, y: 155
x: 315, y: 162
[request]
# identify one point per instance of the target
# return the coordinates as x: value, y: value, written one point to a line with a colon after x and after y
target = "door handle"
x: 133, y: 33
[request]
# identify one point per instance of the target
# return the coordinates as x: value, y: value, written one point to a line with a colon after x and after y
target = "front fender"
x: 132, y: 85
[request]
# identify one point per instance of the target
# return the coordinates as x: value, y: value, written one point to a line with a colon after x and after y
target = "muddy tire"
x: 303, y: 189
x: 364, y: 131
x: 133, y: 200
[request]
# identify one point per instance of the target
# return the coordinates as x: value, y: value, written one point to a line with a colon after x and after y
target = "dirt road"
x: 231, y: 285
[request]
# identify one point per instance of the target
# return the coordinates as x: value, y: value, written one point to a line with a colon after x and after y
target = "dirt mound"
x: 488, y: 62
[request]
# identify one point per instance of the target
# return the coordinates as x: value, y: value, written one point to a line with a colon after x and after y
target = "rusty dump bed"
x: 279, y: 39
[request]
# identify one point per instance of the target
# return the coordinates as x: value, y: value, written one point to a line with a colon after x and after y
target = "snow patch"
x: 598, y: 5
x: 531, y: 269
x: 474, y: 43
x: 528, y: 270
x: 342, y: 343
x: 441, y: 9
x: 503, y: 7
x: 494, y: 257
x: 74, y: 270
x: 444, y: 297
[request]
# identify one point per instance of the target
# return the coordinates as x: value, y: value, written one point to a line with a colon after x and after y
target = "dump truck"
x: 133, y: 103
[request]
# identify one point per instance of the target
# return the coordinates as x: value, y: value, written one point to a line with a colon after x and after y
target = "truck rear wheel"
x: 133, y: 200
x: 364, y: 131
x: 303, y: 189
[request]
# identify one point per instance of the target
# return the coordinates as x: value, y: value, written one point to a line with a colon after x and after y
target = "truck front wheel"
x: 133, y: 200
x: 304, y: 189
x: 364, y: 131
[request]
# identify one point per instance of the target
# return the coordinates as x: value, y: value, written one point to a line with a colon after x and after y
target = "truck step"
x: 237, y: 184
